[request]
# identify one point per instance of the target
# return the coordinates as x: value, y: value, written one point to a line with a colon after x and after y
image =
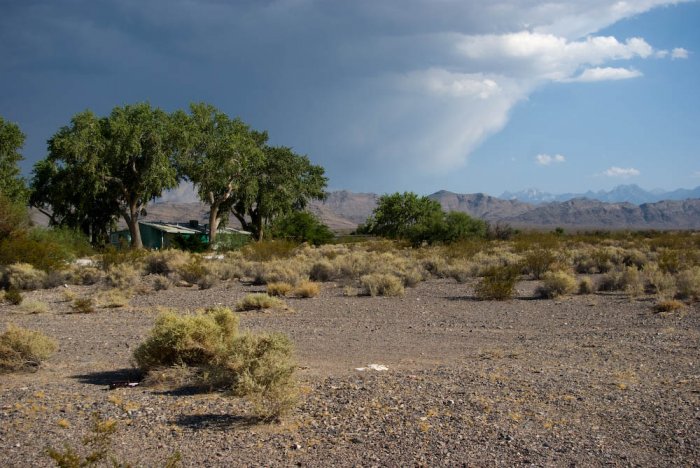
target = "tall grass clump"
x: 23, y: 276
x: 381, y: 284
x: 23, y: 350
x: 259, y: 301
x: 688, y: 284
x: 258, y: 367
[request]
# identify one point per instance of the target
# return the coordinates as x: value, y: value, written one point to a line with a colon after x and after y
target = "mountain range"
x: 622, y: 193
x: 342, y: 211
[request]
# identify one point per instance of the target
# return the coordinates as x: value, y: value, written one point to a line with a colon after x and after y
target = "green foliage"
x: 214, y: 152
x: 228, y: 241
x: 497, y: 283
x: 83, y: 305
x: 22, y: 349
x: 13, y: 296
x: 46, y: 249
x: 264, y: 251
x: 420, y: 219
x: 14, y: 217
x: 278, y: 183
x: 302, y: 226
x: 258, y: 301
x: 538, y: 261
x: 190, y: 243
x: 12, y: 185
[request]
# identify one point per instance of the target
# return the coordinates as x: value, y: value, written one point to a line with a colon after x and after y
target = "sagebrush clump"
x: 556, y: 283
x: 258, y: 301
x: 381, y: 284
x: 497, y: 283
x: 258, y: 367
x: 24, y: 350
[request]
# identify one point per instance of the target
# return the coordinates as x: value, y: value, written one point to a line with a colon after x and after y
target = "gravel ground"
x: 585, y: 381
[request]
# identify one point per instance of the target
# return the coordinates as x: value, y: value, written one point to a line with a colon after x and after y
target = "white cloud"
x: 604, y: 74
x: 546, y: 159
x: 621, y: 172
x: 546, y: 56
x: 679, y: 53
x: 457, y: 85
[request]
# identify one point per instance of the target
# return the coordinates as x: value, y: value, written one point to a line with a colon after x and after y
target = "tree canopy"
x: 12, y: 185
x: 419, y: 219
x: 215, y: 152
x: 278, y: 183
x: 98, y: 168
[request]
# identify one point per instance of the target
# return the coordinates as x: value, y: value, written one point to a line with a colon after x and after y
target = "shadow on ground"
x: 218, y: 422
x: 111, y: 377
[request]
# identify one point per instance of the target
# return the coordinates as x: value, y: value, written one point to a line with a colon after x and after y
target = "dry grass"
x: 23, y: 350
x: 279, y: 288
x: 688, y: 284
x: 83, y: 305
x: 32, y: 306
x: 258, y: 301
x: 381, y: 284
x: 586, y: 286
x: 113, y: 298
x: 668, y: 306
x: 306, y: 289
x: 122, y: 276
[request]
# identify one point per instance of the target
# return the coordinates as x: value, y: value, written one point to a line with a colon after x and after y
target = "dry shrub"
x: 497, y: 283
x: 258, y: 367
x: 264, y: 251
x: 658, y: 282
x: 586, y: 286
x: 208, y: 281
x: 668, y: 306
x: 350, y: 291
x: 83, y: 305
x: 353, y: 265
x: 23, y: 276
x: 258, y: 301
x: 23, y: 350
x: 632, y: 282
x: 463, y: 272
x: 162, y: 283
x: 113, y: 298
x: 227, y: 270
x: 556, y: 283
x: 167, y: 261
x: 412, y: 276
x: 31, y: 306
x: 306, y: 289
x: 437, y: 266
x: 279, y: 289
x: 322, y: 270
x: 192, y: 271
x: 122, y: 276
x: 688, y: 284
x: 538, y: 262
x: 288, y: 271
x: 86, y: 275
x: 381, y: 284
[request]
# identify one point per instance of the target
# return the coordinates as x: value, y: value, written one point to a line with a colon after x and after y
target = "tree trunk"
x: 132, y: 220
x: 213, y: 222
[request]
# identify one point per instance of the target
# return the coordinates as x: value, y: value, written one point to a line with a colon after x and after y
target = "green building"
x: 157, y: 235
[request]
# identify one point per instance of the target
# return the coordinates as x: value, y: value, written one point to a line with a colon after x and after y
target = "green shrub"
x: 380, y: 284
x: 83, y: 305
x: 23, y: 276
x: 22, y: 349
x: 257, y: 301
x: 202, y: 339
x: 14, y: 217
x: 497, y: 283
x: 255, y: 366
x: 227, y: 242
x: 264, y: 251
x: 302, y: 226
x: 13, y: 296
x: 190, y: 243
x: 538, y: 262
x: 556, y: 283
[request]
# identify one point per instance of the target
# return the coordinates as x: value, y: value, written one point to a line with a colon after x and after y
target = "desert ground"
x: 583, y: 380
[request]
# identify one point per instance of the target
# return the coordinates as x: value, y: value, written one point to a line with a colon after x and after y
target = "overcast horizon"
x: 415, y: 95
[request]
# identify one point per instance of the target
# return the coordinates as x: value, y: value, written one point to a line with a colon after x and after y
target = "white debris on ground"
x: 214, y: 257
x: 374, y: 367
x: 85, y: 262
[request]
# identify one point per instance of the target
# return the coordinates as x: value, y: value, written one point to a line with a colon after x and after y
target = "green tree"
x: 420, y: 219
x: 137, y: 162
x: 67, y: 185
x: 214, y: 153
x: 302, y: 226
x: 278, y: 183
x: 100, y: 167
x: 397, y: 215
x: 11, y: 141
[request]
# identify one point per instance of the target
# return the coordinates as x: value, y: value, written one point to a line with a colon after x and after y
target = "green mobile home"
x: 157, y: 235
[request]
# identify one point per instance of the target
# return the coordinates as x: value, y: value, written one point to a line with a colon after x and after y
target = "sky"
x: 392, y: 95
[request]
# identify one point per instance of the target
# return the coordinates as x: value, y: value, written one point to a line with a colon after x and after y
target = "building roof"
x: 171, y: 228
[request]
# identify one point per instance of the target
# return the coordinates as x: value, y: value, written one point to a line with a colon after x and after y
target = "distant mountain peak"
x: 630, y: 193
